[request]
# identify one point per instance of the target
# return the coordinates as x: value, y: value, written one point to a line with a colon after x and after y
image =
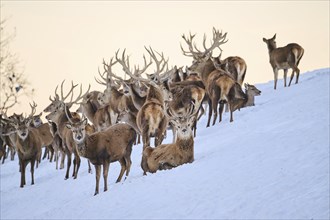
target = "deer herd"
x: 138, y: 106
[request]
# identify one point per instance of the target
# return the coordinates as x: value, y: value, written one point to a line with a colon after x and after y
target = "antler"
x: 70, y: 92
x: 124, y: 61
x: 139, y: 72
x: 68, y: 114
x: 191, y: 52
x: 80, y: 96
x: 108, y: 70
x: 160, y: 64
x: 217, y: 40
x: 33, y: 109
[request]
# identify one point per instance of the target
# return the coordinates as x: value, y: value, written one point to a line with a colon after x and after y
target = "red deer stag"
x: 104, y: 147
x: 59, y: 117
x: 28, y: 144
x: 168, y: 156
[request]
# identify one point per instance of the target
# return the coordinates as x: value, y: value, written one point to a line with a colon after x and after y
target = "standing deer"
x: 234, y: 65
x: 285, y: 58
x: 104, y: 147
x: 28, y: 144
x: 59, y: 117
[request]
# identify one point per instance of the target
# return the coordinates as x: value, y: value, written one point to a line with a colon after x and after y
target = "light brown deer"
x: 285, y: 58
x: 59, y: 117
x: 104, y: 147
x: 202, y: 62
x: 168, y: 156
x: 45, y: 134
x: 28, y: 144
x: 234, y: 65
x: 150, y: 118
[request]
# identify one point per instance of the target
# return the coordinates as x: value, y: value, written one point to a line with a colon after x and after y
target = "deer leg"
x: 74, y: 167
x: 78, y: 160
x: 123, y: 168
x: 210, y: 113
x: 139, y: 139
x: 145, y: 137
x: 12, y: 153
x: 4, y: 154
x: 144, y: 165
x: 275, y: 77
x: 215, y: 110
x: 221, y: 106
x: 97, y: 175
x: 195, y: 127
x: 200, y: 112
x: 45, y: 153
x: 32, y: 171
x: 68, y: 166
x: 51, y: 149
x: 231, y: 114
x: 62, y: 159
x: 160, y: 132
x: 56, y: 158
x: 89, y: 167
x: 106, y: 166
x: 285, y: 74
x: 22, y: 169
x: 297, y: 74
x: 128, y: 164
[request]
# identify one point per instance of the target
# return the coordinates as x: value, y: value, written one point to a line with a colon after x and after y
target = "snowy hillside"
x: 272, y: 162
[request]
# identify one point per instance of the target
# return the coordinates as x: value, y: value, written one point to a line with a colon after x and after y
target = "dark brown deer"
x: 285, y: 58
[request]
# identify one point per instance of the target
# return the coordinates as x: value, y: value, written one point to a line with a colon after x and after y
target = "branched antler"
x: 218, y: 38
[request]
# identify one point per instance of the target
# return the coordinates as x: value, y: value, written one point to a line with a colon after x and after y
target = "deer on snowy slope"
x: 104, y: 147
x: 285, y: 58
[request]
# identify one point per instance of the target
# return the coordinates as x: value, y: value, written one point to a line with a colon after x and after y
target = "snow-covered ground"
x: 272, y: 162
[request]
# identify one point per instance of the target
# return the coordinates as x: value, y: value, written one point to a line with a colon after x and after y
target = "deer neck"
x: 250, y: 99
x: 207, y: 69
x: 89, y: 110
x: 271, y: 48
x: 185, y: 143
x: 82, y: 147
x: 137, y: 100
x: 155, y: 95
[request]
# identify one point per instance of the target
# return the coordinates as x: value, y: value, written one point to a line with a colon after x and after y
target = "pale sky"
x: 59, y: 40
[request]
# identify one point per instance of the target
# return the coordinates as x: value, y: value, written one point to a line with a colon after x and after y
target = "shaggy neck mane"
x: 185, y: 144
x: 155, y: 93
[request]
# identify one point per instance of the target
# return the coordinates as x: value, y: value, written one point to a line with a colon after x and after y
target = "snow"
x: 272, y: 162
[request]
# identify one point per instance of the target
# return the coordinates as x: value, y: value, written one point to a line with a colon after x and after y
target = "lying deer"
x: 168, y: 156
x: 285, y: 58
x: 104, y: 147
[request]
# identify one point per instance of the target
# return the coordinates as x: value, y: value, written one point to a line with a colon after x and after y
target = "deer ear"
x: 264, y: 39
x: 68, y: 125
x: 274, y: 37
x: 85, y: 121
